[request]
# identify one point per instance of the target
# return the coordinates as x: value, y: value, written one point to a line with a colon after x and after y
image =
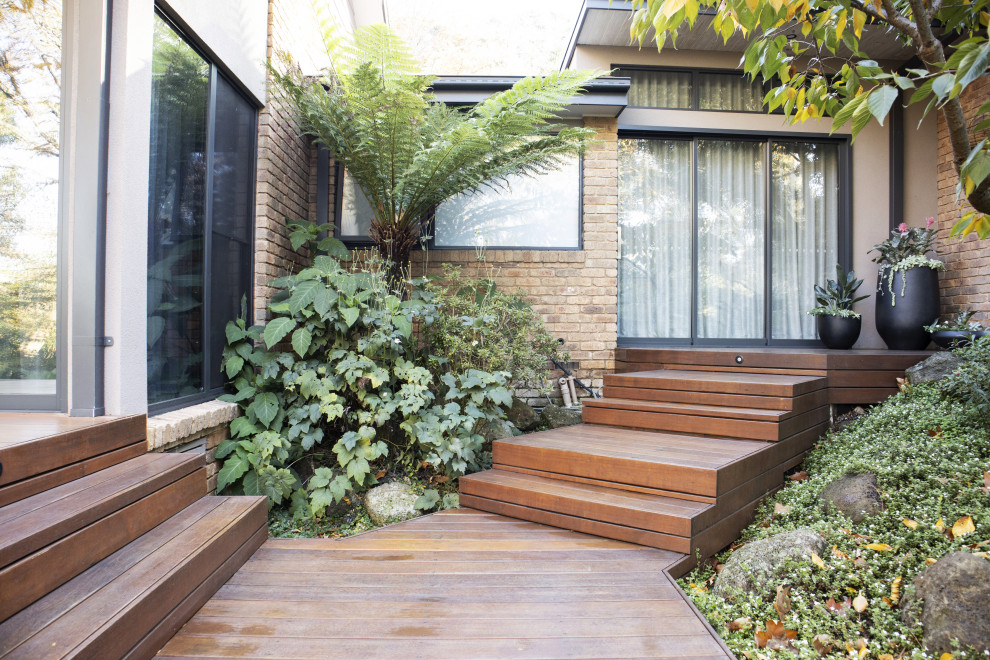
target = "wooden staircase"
x: 105, y: 551
x: 671, y: 458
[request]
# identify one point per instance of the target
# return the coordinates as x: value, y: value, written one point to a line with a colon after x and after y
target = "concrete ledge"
x: 187, y: 424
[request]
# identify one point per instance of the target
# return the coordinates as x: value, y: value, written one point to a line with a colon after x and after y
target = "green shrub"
x: 970, y: 384
x: 929, y: 452
x: 336, y: 387
x: 482, y: 327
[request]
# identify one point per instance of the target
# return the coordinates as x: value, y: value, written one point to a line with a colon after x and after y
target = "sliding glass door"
x: 723, y: 239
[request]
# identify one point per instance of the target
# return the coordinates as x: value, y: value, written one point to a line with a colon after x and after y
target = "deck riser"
x: 795, y: 405
x: 709, y: 426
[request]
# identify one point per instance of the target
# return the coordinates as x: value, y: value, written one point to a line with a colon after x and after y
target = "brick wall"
x: 575, y: 291
x: 966, y: 281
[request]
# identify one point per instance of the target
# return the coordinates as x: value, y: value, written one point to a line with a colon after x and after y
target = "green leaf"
x: 277, y: 329
x: 241, y: 427
x: 303, y: 295
x: 350, y: 315
x: 428, y: 500
x: 333, y: 247
x: 880, y: 101
x: 251, y: 483
x: 403, y: 325
x: 232, y: 470
x: 264, y: 407
x: 301, y: 339
x: 233, y: 366
x: 234, y: 333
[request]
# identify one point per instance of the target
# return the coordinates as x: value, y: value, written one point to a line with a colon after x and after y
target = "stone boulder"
x: 556, y: 417
x: 492, y: 430
x: 391, y: 502
x: 855, y: 495
x: 952, y: 601
x: 759, y: 566
x: 522, y: 415
x: 936, y: 367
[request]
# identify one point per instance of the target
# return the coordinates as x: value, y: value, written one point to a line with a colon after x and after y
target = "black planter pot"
x: 839, y: 332
x: 906, y: 307
x: 952, y: 338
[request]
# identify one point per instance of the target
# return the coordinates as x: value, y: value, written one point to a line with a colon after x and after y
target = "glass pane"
x: 177, y: 198
x: 655, y: 208
x: 355, y: 212
x: 659, y: 89
x: 731, y: 226
x: 805, y: 202
x: 232, y: 217
x: 729, y: 91
x: 31, y: 54
x: 539, y: 211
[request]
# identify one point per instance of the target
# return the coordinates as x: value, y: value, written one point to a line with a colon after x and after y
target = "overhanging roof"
x: 604, y: 96
x: 607, y: 23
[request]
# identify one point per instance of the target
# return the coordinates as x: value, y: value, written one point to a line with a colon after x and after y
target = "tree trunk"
x: 394, y: 245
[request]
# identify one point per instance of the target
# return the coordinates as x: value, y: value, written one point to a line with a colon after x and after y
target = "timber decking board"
x: 34, y: 444
x: 575, y: 601
x: 772, y: 357
x: 750, y: 414
x: 728, y: 383
x: 798, y: 404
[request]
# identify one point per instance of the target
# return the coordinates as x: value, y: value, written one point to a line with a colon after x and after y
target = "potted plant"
x: 956, y: 332
x: 907, y: 287
x: 838, y: 325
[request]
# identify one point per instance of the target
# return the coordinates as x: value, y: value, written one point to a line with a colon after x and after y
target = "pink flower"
x: 928, y: 223
x: 903, y: 228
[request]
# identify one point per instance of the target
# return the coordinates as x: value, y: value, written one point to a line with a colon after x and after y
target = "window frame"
x: 844, y: 227
x: 208, y: 393
x: 695, y: 87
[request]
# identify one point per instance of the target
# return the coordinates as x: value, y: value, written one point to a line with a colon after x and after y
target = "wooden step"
x: 623, y: 458
x: 130, y: 603
x: 48, y: 538
x: 720, y: 421
x: 771, y: 385
x: 39, y: 452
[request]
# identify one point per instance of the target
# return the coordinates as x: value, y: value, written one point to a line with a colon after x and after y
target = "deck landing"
x: 456, y: 584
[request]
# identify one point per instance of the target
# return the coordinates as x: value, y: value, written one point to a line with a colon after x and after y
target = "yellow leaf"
x: 885, y: 656
x: 929, y: 561
x: 817, y: 560
x: 982, y: 554
x: 879, y: 547
x: 963, y: 526
x: 910, y: 524
x: 859, y: 20
x: 840, y: 25
x: 860, y: 603
x: 752, y: 5
x: 940, y: 525
x: 895, y: 589
x: 945, y: 656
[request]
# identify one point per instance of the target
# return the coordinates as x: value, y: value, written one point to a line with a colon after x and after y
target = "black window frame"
x: 695, y: 87
x: 844, y: 227
x: 209, y: 393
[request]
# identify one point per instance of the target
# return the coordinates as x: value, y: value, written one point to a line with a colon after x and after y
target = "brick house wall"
x: 966, y: 280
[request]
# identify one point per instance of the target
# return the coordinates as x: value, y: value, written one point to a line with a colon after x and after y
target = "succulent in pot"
x: 838, y: 325
x: 956, y: 332
x: 907, y: 286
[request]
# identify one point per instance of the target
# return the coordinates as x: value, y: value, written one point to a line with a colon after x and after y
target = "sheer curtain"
x: 655, y: 208
x: 805, y: 202
x: 726, y: 91
x: 659, y: 89
x: 731, y: 226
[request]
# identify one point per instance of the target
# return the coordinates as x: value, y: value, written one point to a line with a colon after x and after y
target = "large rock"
x: 759, y: 566
x: 935, y: 367
x: 555, y: 417
x: 952, y: 600
x: 492, y: 430
x: 522, y: 415
x: 391, y: 502
x: 855, y: 495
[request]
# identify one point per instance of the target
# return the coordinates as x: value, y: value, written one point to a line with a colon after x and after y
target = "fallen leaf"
x: 762, y: 638
x: 986, y: 482
x: 985, y: 555
x: 860, y: 562
x: 782, y: 509
x: 935, y: 432
x: 822, y: 644
x: 895, y: 589
x: 879, y: 547
x: 860, y: 603
x: 783, y: 601
x: 838, y: 554
x: 902, y: 385
x: 833, y: 606
x: 742, y: 623
x: 885, y: 656
x: 379, y: 474
x: 963, y: 526
x: 945, y: 656
x: 929, y: 561
x: 910, y: 524
x: 798, y: 476
x: 817, y: 561
x: 718, y: 568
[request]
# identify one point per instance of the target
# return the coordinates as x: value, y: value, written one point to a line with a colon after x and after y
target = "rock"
x: 492, y: 430
x: 935, y: 367
x: 952, y: 600
x: 758, y: 566
x: 391, y: 502
x: 855, y: 495
x: 556, y: 417
x: 522, y: 415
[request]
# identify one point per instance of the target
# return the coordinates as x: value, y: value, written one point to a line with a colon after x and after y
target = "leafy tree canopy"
x: 375, y: 112
x: 823, y: 68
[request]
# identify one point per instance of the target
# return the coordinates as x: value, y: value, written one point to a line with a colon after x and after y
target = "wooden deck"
x: 457, y: 584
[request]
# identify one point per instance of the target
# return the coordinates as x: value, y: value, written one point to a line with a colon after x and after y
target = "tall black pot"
x: 838, y: 331
x: 905, y: 306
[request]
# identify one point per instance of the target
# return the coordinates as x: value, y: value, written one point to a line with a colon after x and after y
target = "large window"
x: 201, y: 213
x: 723, y: 239
x: 527, y: 212
x: 693, y: 89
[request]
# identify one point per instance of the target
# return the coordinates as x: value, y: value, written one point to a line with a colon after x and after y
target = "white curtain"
x: 727, y: 91
x: 655, y: 209
x: 805, y: 202
x: 731, y: 226
x: 659, y: 89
